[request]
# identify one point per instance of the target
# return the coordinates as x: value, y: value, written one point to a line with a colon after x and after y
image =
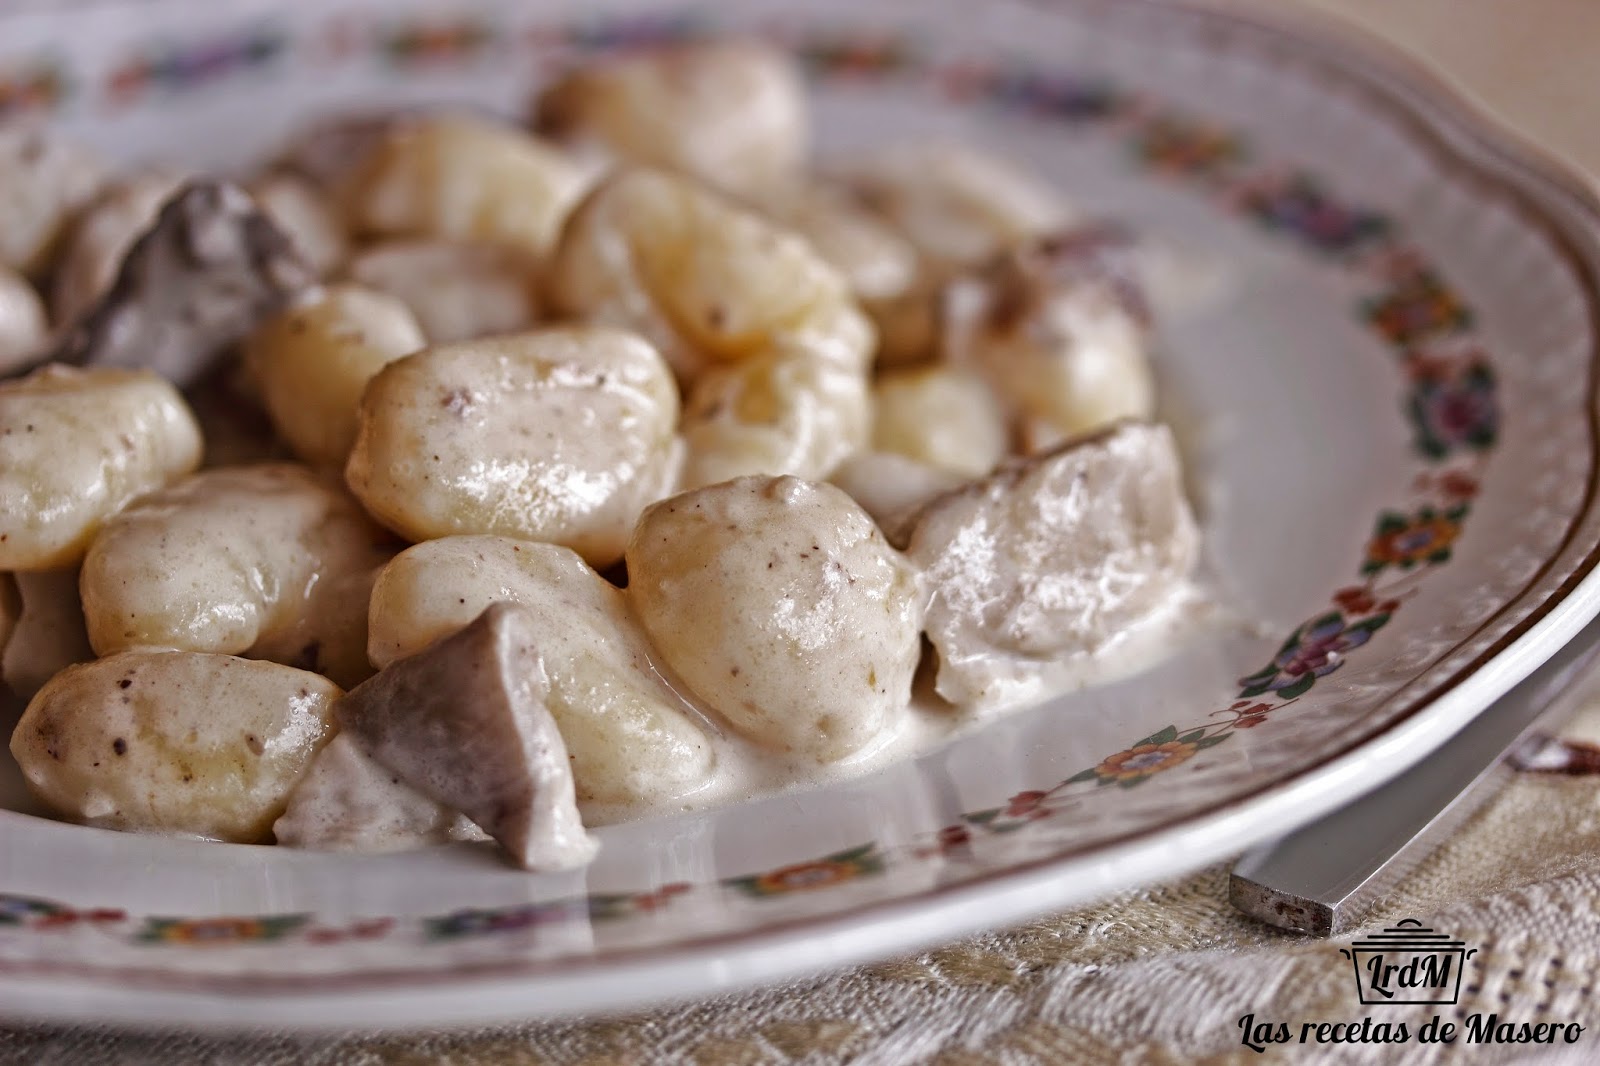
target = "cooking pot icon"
x: 1408, y: 963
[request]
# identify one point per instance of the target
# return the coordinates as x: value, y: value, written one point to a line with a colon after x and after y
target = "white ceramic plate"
x: 1390, y: 412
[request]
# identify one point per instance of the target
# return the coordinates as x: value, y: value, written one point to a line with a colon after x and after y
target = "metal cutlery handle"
x: 1320, y: 879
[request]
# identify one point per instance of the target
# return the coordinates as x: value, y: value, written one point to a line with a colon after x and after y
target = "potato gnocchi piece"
x: 703, y: 278
x: 306, y: 215
x: 942, y: 416
x: 75, y: 447
x: 882, y: 267
x: 24, y: 329
x: 778, y: 602
x: 731, y: 113
x: 136, y: 741
x: 100, y: 237
x: 957, y: 204
x: 714, y: 284
x: 44, y: 180
x: 784, y: 412
x: 456, y: 177
x: 49, y: 633
x: 560, y: 435
x: 1059, y: 326
x: 1052, y: 556
x: 231, y: 561
x: 457, y: 290
x: 467, y: 722
x: 630, y: 738
x: 313, y: 360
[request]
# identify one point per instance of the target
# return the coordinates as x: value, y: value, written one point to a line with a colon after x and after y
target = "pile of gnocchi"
x: 460, y: 478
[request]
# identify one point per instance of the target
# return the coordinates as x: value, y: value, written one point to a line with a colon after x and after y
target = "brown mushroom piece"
x: 465, y: 723
x: 347, y: 801
x: 1051, y: 557
x: 201, y: 279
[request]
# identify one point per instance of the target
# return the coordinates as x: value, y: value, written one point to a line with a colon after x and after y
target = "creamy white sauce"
x: 746, y: 771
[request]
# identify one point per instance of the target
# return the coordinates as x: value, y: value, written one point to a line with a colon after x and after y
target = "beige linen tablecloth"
x: 1162, y: 975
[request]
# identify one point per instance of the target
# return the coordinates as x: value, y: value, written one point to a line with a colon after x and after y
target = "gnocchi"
x: 762, y: 330
x: 1059, y: 327
x: 631, y: 739
x: 560, y: 435
x: 782, y: 607
x: 731, y: 113
x: 458, y: 291
x: 75, y: 447
x: 234, y: 561
x: 47, y: 179
x: 942, y: 416
x: 458, y: 178
x: 134, y: 741
x: 312, y: 361
x: 615, y: 465
x: 24, y: 329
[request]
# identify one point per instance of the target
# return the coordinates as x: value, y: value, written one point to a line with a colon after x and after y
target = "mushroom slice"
x: 347, y: 801
x: 1052, y: 556
x: 465, y: 723
x: 211, y: 268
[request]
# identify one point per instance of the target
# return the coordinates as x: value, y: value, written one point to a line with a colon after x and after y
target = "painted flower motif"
x: 1249, y: 721
x: 213, y: 932
x: 1314, y: 650
x: 1451, y: 411
x: 1416, y: 308
x: 201, y: 63
x: 480, y: 922
x: 1183, y: 147
x: 808, y: 876
x: 20, y: 910
x: 1405, y: 541
x: 950, y: 840
x: 38, y: 88
x: 1294, y: 203
x: 1355, y: 599
x: 1154, y: 754
x: 423, y: 43
x: 1026, y: 804
x: 368, y: 929
x: 1458, y: 485
x: 1142, y: 760
x: 1050, y: 96
x: 854, y: 57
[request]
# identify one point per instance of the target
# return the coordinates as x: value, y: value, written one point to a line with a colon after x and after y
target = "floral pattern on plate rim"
x: 1450, y: 403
